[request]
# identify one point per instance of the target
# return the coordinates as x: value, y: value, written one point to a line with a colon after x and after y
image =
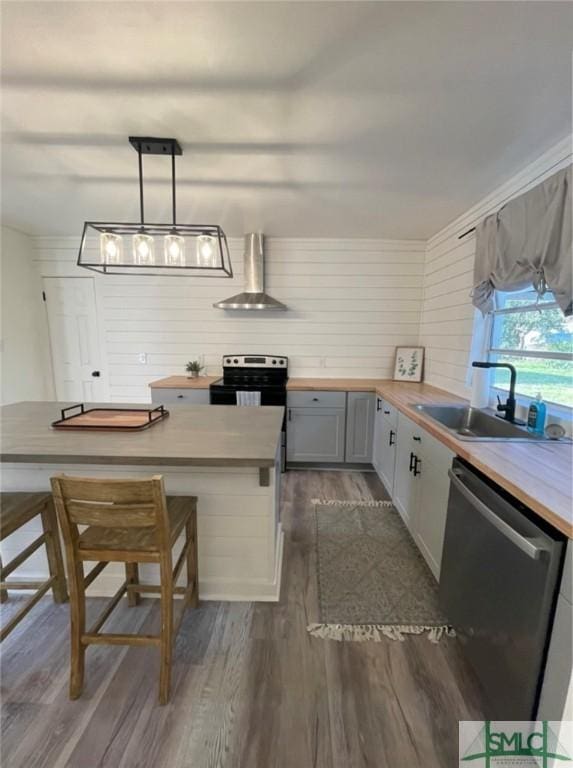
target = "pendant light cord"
x: 140, y: 158
x: 173, y: 183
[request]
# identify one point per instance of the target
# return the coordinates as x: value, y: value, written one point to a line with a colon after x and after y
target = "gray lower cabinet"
x: 315, y: 434
x: 360, y: 415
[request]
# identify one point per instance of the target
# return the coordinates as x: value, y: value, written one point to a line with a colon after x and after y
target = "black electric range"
x: 267, y: 374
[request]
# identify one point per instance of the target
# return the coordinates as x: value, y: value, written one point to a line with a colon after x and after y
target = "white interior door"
x: 76, y: 355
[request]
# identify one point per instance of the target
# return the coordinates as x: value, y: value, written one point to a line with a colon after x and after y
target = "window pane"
x: 553, y: 378
x: 546, y: 330
x: 521, y: 298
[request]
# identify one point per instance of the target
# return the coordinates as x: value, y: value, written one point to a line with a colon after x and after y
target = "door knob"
x: 96, y: 374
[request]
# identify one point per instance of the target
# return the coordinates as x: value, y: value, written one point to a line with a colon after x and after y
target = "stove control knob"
x: 235, y: 360
x: 274, y: 362
x: 281, y: 362
x: 228, y: 360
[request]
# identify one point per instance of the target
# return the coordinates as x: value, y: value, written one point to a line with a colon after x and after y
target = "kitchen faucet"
x: 508, y: 408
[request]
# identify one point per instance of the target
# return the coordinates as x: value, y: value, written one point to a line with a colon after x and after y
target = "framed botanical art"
x: 409, y: 364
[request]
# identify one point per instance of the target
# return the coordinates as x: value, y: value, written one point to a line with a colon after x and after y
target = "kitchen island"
x: 225, y: 455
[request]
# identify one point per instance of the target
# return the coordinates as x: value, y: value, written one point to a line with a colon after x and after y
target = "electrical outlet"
x: 142, y: 357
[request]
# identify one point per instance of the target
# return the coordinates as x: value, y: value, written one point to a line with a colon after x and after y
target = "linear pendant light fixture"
x: 118, y: 248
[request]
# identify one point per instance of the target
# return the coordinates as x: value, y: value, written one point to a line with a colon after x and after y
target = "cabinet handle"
x: 289, y: 414
x: 378, y: 403
x: 391, y: 440
x: 417, y: 439
x: 387, y: 413
x: 412, y: 457
x: 416, y: 462
x: 180, y: 395
x: 315, y: 399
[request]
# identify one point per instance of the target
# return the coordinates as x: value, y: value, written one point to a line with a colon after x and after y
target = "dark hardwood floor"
x: 251, y: 689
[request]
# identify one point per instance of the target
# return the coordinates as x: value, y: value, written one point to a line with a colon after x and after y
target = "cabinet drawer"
x: 319, y: 399
x: 389, y: 413
x: 182, y: 396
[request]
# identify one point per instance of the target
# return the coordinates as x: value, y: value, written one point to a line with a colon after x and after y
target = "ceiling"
x: 344, y: 119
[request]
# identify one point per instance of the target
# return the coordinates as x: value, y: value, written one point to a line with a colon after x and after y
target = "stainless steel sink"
x: 475, y: 424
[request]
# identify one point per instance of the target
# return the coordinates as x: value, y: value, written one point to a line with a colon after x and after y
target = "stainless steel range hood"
x: 254, y: 296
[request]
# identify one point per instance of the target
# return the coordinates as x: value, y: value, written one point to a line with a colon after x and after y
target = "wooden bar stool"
x: 129, y: 521
x: 16, y: 509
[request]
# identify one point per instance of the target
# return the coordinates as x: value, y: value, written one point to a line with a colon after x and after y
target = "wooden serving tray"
x: 121, y: 419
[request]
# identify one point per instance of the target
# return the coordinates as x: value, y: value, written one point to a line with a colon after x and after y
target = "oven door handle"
x: 530, y: 547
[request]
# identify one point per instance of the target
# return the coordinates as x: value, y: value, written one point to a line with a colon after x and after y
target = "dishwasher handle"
x: 529, y: 546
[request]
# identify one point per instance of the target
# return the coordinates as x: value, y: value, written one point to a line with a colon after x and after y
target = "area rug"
x: 373, y: 583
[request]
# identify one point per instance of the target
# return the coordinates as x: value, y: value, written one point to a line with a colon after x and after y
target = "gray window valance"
x: 528, y: 243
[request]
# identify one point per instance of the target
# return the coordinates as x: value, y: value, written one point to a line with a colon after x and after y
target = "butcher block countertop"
x: 192, y: 435
x: 334, y: 385
x: 184, y: 382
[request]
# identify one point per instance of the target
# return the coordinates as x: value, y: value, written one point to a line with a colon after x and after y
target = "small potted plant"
x: 193, y: 368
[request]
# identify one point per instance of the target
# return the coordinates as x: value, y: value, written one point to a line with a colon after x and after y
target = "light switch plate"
x: 142, y: 357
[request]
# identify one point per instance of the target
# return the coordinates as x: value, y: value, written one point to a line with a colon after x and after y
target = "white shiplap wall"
x: 447, y: 312
x: 350, y: 303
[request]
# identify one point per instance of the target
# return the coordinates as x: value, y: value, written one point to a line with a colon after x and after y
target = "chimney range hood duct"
x: 254, y: 296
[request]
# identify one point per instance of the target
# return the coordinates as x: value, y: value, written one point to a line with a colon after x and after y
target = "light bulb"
x: 143, y: 250
x: 174, y: 250
x: 111, y: 248
x: 205, y: 251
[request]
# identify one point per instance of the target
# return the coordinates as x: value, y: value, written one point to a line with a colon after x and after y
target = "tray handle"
x: 160, y: 408
x: 71, y: 408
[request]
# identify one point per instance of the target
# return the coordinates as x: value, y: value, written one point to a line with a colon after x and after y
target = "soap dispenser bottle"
x: 536, y: 415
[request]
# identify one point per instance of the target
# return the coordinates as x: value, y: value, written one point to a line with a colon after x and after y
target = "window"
x: 535, y: 337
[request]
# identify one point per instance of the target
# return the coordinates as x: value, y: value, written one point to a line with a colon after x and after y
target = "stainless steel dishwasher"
x: 498, y: 585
